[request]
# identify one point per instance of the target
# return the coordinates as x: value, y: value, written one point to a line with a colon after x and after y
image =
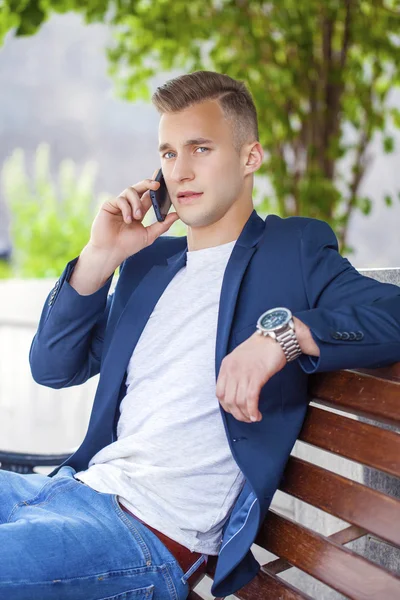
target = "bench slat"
x: 338, y: 567
x: 266, y: 585
x: 360, y: 394
x: 391, y: 372
x: 349, y: 500
x: 194, y: 596
x: 344, y: 536
x: 366, y: 444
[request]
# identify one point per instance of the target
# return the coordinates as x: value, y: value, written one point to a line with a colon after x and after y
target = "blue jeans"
x: 62, y: 540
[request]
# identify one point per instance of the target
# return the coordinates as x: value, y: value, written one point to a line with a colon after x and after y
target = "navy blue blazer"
x: 292, y: 262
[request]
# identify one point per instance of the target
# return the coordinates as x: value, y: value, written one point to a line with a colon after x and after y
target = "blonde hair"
x: 233, y: 96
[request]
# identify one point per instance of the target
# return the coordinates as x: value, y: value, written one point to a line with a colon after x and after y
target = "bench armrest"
x: 22, y: 462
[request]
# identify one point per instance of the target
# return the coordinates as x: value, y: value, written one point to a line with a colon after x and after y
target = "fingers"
x: 252, y: 399
x: 241, y: 397
x: 145, y: 199
x: 238, y: 396
x: 146, y: 184
x: 228, y: 399
x: 238, y: 401
x: 130, y: 200
x: 158, y: 228
x: 146, y: 202
x: 125, y: 207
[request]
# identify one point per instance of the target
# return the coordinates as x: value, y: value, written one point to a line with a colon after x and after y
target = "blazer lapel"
x: 234, y: 272
x: 136, y: 313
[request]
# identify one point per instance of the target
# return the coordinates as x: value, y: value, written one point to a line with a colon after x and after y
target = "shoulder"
x: 305, y: 229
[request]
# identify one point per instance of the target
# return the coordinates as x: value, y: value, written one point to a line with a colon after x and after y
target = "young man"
x: 195, y: 413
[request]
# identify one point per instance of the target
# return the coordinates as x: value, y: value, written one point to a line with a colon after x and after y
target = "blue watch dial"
x: 274, y: 319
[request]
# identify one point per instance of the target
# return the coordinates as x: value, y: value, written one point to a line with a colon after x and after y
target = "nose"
x: 181, y: 171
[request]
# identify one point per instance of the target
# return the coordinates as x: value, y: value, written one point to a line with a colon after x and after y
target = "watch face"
x: 275, y: 319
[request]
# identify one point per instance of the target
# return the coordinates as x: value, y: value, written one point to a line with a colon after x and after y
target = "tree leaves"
x: 47, y: 219
x: 320, y: 73
x: 388, y: 144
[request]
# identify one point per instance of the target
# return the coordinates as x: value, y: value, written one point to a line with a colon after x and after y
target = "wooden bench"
x: 370, y: 395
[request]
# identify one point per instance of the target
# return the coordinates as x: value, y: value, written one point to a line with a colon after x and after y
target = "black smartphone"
x: 160, y: 198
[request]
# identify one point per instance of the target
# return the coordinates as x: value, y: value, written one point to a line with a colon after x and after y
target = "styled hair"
x: 233, y: 96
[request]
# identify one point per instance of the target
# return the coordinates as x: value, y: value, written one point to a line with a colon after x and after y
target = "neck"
x: 227, y: 229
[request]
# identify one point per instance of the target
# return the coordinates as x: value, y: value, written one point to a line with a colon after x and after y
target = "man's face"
x: 189, y: 163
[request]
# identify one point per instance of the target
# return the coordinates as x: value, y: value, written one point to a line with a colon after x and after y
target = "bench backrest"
x: 374, y: 397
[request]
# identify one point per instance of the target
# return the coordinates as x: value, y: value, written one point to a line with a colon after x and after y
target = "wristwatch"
x: 278, y: 324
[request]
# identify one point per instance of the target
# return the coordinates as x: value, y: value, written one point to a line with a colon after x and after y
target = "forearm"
x: 92, y: 270
x: 67, y: 346
x: 305, y: 339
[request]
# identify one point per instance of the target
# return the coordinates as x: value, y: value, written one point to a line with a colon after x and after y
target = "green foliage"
x: 5, y: 269
x: 50, y: 223
x: 388, y: 144
x: 388, y: 200
x: 320, y: 72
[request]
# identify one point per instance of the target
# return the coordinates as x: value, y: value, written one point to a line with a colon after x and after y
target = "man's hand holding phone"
x: 117, y: 232
x: 118, y: 226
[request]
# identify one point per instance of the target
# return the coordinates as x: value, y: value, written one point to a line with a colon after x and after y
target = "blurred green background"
x: 321, y: 73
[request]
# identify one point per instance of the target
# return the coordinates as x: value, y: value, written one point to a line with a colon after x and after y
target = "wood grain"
x: 352, y: 502
x: 360, y: 394
x: 364, y: 443
x: 338, y: 567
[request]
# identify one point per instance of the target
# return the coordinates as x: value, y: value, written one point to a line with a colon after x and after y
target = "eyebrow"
x: 194, y: 142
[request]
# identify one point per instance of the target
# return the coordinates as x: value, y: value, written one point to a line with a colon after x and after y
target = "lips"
x: 188, y: 197
x: 188, y: 193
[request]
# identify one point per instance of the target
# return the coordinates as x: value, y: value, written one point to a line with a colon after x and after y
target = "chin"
x: 199, y: 216
x: 199, y: 220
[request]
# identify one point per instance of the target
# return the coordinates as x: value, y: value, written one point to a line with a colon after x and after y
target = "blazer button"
x: 352, y: 336
x: 336, y: 335
x: 359, y: 335
x: 345, y: 335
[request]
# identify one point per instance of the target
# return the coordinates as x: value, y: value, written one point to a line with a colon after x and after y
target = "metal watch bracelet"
x: 289, y: 344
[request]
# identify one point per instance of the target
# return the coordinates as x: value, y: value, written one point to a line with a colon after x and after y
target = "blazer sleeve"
x: 67, y: 347
x: 354, y: 320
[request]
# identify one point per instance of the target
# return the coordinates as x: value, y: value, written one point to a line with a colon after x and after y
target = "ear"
x: 253, y: 157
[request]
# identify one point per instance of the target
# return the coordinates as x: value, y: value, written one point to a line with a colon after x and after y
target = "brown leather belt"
x: 183, y: 555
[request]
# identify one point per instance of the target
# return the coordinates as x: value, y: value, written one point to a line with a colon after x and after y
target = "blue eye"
x: 198, y: 148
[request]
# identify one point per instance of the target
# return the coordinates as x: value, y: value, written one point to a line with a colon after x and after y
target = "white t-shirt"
x: 171, y: 464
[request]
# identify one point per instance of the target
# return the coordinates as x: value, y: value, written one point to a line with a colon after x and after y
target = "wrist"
x: 92, y: 270
x: 278, y: 324
x: 304, y: 338
x: 274, y: 347
x: 102, y: 259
